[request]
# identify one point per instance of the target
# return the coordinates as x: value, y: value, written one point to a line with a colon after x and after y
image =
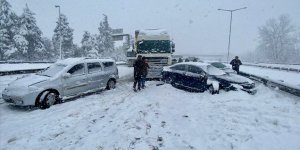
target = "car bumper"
x: 20, y: 99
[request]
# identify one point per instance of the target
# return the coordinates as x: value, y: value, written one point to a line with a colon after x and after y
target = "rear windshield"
x: 218, y: 65
x: 211, y: 70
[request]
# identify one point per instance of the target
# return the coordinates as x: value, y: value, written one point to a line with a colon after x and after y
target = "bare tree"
x: 278, y: 41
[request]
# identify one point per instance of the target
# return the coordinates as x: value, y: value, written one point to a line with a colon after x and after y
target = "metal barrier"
x: 274, y: 67
x: 273, y: 84
x: 4, y: 73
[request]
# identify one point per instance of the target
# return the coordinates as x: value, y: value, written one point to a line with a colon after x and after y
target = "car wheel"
x: 167, y: 80
x: 111, y: 84
x: 47, y: 99
x: 212, y: 90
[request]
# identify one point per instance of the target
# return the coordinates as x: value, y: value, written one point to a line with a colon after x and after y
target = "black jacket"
x: 235, y: 63
x: 138, y: 67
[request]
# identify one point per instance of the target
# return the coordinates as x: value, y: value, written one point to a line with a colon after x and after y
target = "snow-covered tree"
x: 278, y: 41
x: 78, y: 52
x: 63, y: 31
x: 105, y: 44
x: 87, y: 43
x: 8, y: 27
x: 29, y: 39
x: 49, y: 52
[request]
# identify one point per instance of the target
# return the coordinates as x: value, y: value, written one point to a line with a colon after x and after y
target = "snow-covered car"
x: 65, y: 78
x: 197, y: 76
x: 222, y: 66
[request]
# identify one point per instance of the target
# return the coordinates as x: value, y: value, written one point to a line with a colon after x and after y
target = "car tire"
x: 167, y: 80
x: 111, y: 84
x: 212, y: 90
x: 47, y: 99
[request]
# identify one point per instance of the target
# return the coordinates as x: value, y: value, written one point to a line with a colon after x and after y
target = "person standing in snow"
x: 145, y: 71
x: 236, y: 64
x: 137, y: 72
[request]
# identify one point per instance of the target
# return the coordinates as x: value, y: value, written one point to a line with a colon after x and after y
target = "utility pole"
x: 60, y: 52
x: 232, y: 10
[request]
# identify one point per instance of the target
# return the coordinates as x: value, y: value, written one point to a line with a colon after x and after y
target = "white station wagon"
x: 65, y: 78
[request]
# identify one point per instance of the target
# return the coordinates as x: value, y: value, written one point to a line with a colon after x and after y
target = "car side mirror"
x: 66, y: 75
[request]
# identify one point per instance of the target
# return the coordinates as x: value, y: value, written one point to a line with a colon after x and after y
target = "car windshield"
x: 218, y: 65
x: 52, y: 70
x: 211, y: 70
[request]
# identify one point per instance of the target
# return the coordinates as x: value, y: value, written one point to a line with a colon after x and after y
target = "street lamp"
x: 230, y: 25
x: 60, y: 52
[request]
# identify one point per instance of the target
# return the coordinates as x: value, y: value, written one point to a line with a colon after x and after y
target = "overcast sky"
x: 196, y: 26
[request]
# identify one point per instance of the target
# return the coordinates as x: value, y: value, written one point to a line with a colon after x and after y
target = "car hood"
x: 26, y: 81
x: 234, y: 78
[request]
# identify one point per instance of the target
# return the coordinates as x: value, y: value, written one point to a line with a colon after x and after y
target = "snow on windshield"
x: 211, y: 70
x: 53, y: 70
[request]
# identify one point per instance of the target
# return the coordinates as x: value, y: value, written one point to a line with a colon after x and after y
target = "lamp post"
x: 232, y: 10
x: 60, y: 52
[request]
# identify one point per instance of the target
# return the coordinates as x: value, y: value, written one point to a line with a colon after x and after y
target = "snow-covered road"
x: 158, y: 117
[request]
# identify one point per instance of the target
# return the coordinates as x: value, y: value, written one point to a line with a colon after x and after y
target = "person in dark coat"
x: 144, y: 71
x: 138, y: 72
x: 236, y: 64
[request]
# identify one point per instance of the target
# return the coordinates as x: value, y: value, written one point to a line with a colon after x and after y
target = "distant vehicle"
x: 197, y: 76
x: 65, y: 78
x: 154, y: 44
x: 222, y: 66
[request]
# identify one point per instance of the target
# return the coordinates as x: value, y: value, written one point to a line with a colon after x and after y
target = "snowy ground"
x: 158, y: 117
x: 287, y: 77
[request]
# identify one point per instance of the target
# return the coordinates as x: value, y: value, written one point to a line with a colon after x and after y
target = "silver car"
x: 65, y: 78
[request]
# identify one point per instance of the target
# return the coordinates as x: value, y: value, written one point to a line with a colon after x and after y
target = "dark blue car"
x: 197, y: 76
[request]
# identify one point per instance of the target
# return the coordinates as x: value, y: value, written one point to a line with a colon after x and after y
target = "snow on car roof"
x: 70, y: 61
x: 208, y: 68
x: 200, y: 64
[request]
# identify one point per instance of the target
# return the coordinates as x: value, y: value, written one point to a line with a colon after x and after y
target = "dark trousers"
x: 143, y: 81
x: 237, y: 69
x: 137, y: 81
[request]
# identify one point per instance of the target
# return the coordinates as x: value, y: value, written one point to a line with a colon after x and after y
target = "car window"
x: 218, y: 65
x: 178, y: 67
x: 77, y: 69
x: 94, y: 67
x: 211, y: 70
x: 108, y: 64
x: 194, y: 69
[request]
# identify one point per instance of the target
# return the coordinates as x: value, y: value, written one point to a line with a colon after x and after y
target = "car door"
x: 196, y: 78
x: 77, y: 82
x: 178, y: 74
x: 95, y: 75
x: 108, y: 70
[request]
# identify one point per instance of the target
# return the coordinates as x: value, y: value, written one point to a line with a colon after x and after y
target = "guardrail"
x: 3, y: 73
x: 12, y: 72
x: 30, y: 62
x: 274, y: 84
x: 274, y: 67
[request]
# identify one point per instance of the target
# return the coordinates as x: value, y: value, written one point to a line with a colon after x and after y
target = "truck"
x: 156, y: 46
